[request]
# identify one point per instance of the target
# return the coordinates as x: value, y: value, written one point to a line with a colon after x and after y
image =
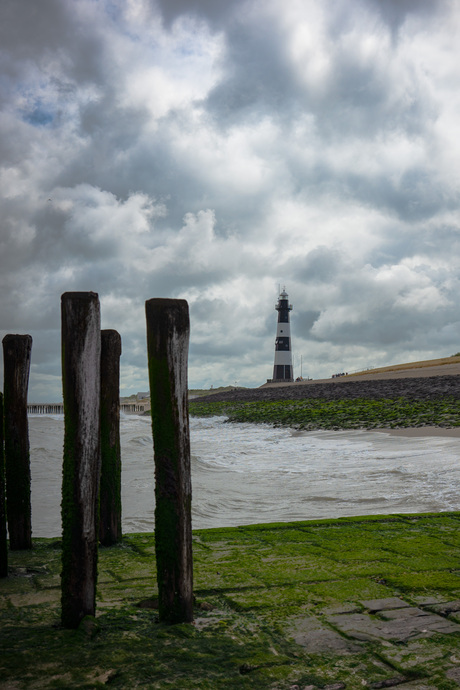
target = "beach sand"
x: 422, y: 432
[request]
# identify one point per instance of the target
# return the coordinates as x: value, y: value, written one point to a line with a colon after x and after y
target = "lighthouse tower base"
x: 282, y: 370
x: 282, y: 373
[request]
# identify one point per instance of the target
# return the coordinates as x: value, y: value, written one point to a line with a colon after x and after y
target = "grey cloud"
x: 357, y: 99
x: 230, y: 350
x: 303, y: 321
x: 320, y: 265
x: 388, y: 326
x: 392, y: 12
x: 216, y: 13
x: 395, y: 12
x: 414, y: 197
x: 36, y: 35
x: 256, y: 75
x: 342, y: 187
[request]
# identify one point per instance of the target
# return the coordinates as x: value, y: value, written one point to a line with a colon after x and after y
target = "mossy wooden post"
x: 110, y: 491
x: 81, y: 358
x: 16, y: 357
x: 168, y: 331
x: 3, y: 540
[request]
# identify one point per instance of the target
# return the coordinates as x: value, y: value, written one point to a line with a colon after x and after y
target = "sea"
x: 246, y: 474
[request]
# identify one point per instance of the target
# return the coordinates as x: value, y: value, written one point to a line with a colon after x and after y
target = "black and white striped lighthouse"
x: 282, y: 370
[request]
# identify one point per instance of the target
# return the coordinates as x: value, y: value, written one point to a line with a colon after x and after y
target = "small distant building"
x: 282, y: 369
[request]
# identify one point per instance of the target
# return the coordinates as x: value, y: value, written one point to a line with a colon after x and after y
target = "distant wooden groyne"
x: 134, y: 408
x: 58, y: 408
x: 45, y: 408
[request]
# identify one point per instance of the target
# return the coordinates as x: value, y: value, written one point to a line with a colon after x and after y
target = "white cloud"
x: 212, y: 151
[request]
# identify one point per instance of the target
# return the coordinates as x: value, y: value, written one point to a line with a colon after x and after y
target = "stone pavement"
x: 333, y: 604
x: 392, y: 619
x: 384, y: 621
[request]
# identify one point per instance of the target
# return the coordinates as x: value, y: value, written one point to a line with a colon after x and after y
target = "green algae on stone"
x: 243, y: 638
x: 317, y: 413
x: 168, y: 328
x: 3, y: 531
x: 439, y: 580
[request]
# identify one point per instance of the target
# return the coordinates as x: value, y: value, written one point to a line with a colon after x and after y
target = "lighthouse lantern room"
x: 282, y: 369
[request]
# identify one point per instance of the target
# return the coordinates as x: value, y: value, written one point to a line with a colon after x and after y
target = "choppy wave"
x: 245, y: 473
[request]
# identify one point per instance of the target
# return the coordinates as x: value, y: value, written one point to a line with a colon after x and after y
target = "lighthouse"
x: 282, y: 370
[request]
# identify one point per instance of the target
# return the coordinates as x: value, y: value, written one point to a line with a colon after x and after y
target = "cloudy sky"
x: 214, y: 151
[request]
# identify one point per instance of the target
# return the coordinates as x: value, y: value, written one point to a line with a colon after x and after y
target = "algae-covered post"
x: 81, y: 357
x: 3, y: 541
x: 168, y: 331
x: 110, y: 491
x: 16, y: 357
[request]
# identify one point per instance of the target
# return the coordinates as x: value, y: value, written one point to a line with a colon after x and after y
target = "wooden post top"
x: 79, y: 295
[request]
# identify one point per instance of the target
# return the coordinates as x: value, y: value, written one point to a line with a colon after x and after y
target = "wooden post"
x: 81, y: 357
x: 110, y: 491
x: 3, y: 540
x: 16, y: 356
x: 167, y: 343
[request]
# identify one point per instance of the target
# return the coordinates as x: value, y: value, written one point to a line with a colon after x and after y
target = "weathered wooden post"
x: 16, y: 357
x: 3, y: 541
x: 167, y: 344
x: 81, y: 357
x: 110, y: 491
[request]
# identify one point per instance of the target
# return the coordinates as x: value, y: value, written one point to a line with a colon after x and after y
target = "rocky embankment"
x: 422, y: 388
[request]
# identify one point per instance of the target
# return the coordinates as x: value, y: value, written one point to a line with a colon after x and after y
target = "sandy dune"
x: 416, y: 372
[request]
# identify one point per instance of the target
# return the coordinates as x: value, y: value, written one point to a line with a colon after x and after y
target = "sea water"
x: 246, y: 473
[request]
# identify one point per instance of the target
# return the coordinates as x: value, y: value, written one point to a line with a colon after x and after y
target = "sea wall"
x: 423, y: 388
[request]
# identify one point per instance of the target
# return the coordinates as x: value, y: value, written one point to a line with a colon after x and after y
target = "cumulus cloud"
x: 215, y: 151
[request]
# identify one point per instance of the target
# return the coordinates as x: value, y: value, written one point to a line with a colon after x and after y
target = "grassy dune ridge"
x: 454, y: 359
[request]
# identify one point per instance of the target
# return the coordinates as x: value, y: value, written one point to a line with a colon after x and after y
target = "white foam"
x: 245, y: 473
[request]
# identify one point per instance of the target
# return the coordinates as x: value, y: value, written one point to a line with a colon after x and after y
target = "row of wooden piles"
x: 91, y: 475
